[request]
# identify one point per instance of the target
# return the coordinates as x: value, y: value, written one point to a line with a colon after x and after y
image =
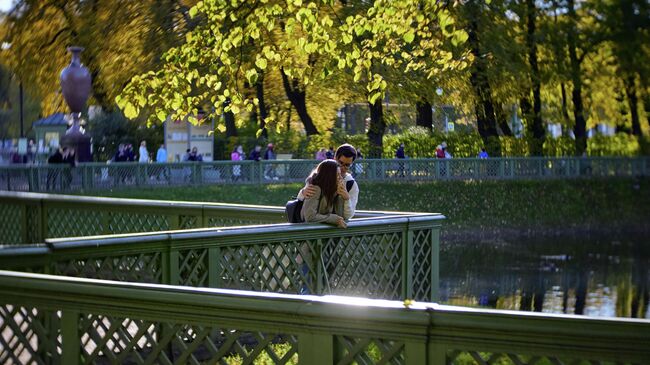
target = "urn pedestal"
x: 75, y: 86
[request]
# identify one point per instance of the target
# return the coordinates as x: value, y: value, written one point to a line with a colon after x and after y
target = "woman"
x: 326, y: 205
x: 237, y: 155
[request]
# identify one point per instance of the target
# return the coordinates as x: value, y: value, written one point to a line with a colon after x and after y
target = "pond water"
x: 601, y: 277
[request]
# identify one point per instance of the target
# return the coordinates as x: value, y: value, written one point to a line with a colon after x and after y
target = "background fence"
x: 48, y: 319
x: 94, y: 176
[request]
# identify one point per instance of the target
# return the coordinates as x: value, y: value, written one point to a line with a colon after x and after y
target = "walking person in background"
x: 161, y: 157
x: 329, y: 154
x: 483, y: 154
x: 237, y: 155
x: 161, y: 154
x: 399, y: 154
x: 143, y: 153
x: 53, y: 172
x: 321, y: 154
x: 255, y: 154
x: 269, y: 171
x: 69, y: 158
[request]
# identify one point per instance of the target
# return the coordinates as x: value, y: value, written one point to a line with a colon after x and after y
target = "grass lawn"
x: 467, y: 204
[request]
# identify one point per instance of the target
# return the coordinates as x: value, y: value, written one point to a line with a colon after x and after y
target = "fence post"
x: 407, y: 260
x: 435, y: 263
x: 316, y: 349
x: 70, y: 341
x: 214, y: 256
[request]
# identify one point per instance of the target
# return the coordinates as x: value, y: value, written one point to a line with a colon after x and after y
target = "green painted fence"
x: 56, y: 320
x: 33, y: 217
x: 97, y: 176
x: 390, y: 257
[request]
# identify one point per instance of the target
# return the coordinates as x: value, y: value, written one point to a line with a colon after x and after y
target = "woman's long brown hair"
x: 325, y: 176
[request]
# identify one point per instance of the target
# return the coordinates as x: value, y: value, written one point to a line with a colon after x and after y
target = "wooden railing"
x: 97, y: 176
x: 59, y: 320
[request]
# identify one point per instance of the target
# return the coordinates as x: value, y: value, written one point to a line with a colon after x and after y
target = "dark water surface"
x: 602, y: 276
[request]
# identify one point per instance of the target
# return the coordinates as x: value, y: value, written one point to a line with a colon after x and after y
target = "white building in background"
x: 182, y: 135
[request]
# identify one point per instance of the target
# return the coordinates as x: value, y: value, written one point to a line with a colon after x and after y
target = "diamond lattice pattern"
x: 66, y: 222
x: 10, y: 224
x: 422, y: 265
x: 456, y: 357
x: 141, y: 268
x: 368, y: 265
x: 370, y: 351
x: 116, y: 340
x: 28, y: 336
x: 285, y: 267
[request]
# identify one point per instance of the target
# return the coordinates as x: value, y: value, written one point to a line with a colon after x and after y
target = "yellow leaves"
x: 261, y: 63
x: 130, y: 111
x: 162, y: 116
x: 409, y: 36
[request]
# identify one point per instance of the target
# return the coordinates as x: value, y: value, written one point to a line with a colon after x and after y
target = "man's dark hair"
x: 346, y: 150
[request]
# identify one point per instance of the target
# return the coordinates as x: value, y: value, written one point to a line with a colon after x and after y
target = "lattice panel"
x: 369, y: 351
x: 284, y: 267
x: 456, y: 357
x: 28, y: 336
x: 193, y: 267
x: 368, y: 265
x: 140, y: 268
x: 118, y: 340
x: 189, y: 221
x: 67, y: 222
x: 137, y: 222
x: 232, y: 222
x: 10, y: 216
x: 33, y: 224
x: 422, y: 265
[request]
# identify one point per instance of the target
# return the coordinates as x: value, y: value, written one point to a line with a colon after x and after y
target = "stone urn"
x: 76, y: 86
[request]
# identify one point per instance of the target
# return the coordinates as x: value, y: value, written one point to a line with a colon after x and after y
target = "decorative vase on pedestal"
x: 76, y: 86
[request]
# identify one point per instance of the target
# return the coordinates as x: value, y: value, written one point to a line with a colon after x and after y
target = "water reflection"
x: 604, y: 277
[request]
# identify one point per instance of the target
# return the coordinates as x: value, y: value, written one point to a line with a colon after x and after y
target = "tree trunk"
x: 630, y: 92
x: 535, y: 124
x: 502, y: 119
x: 229, y: 118
x: 298, y: 100
x: 376, y: 129
x: 261, y: 105
x: 484, y: 107
x: 424, y: 114
x: 565, y: 108
x: 580, y: 127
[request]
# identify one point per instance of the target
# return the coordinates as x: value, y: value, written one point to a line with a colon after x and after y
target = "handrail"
x: 91, y: 319
x: 33, y: 217
x: 99, y: 176
x: 389, y: 256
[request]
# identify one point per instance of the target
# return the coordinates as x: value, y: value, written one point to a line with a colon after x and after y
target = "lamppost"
x: 75, y: 86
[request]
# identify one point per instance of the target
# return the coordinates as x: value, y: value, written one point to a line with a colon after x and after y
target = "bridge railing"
x: 33, y: 217
x: 59, y: 320
x: 98, y: 176
x: 390, y: 257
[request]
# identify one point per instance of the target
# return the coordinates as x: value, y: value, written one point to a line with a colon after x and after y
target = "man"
x: 344, y: 156
x: 161, y: 154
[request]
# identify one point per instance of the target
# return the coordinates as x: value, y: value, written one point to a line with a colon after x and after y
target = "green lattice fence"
x: 33, y: 217
x: 390, y: 257
x: 97, y: 176
x: 56, y: 320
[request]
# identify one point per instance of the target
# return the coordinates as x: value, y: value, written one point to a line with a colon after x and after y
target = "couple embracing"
x: 331, y: 193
